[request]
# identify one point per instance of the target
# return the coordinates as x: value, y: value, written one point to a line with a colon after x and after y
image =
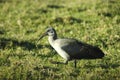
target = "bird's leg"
x: 75, y: 63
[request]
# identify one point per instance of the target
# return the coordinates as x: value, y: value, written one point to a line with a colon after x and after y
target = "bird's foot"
x: 55, y: 62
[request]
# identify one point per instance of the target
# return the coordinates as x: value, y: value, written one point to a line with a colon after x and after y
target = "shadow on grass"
x: 2, y: 1
x: 56, y: 62
x: 104, y: 66
x: 66, y: 20
x: 55, y: 6
x: 1, y: 32
x: 11, y: 43
x: 112, y: 65
x: 42, y: 10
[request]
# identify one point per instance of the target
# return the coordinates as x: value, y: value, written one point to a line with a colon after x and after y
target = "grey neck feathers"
x: 55, y: 35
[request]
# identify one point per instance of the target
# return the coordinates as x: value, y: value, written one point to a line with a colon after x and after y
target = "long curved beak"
x: 44, y: 34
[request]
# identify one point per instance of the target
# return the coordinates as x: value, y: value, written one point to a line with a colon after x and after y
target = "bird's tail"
x: 96, y: 52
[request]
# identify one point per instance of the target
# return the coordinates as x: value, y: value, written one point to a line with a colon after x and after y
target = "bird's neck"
x: 51, y: 39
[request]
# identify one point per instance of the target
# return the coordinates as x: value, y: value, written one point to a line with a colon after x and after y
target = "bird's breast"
x: 60, y: 51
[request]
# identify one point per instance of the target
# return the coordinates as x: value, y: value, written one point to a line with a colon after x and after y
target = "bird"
x: 71, y: 49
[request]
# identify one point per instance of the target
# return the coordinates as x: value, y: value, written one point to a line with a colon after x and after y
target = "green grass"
x: 96, y: 22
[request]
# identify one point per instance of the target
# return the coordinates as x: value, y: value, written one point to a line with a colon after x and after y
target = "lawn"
x: 96, y: 22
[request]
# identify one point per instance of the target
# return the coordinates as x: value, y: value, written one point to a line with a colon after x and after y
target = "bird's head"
x: 49, y: 32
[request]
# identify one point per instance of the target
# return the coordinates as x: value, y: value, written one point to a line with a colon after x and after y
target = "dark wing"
x: 79, y: 50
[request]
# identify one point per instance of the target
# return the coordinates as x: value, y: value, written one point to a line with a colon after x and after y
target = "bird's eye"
x: 48, y: 30
x: 51, y: 31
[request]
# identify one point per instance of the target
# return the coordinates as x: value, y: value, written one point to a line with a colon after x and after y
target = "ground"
x: 96, y: 22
